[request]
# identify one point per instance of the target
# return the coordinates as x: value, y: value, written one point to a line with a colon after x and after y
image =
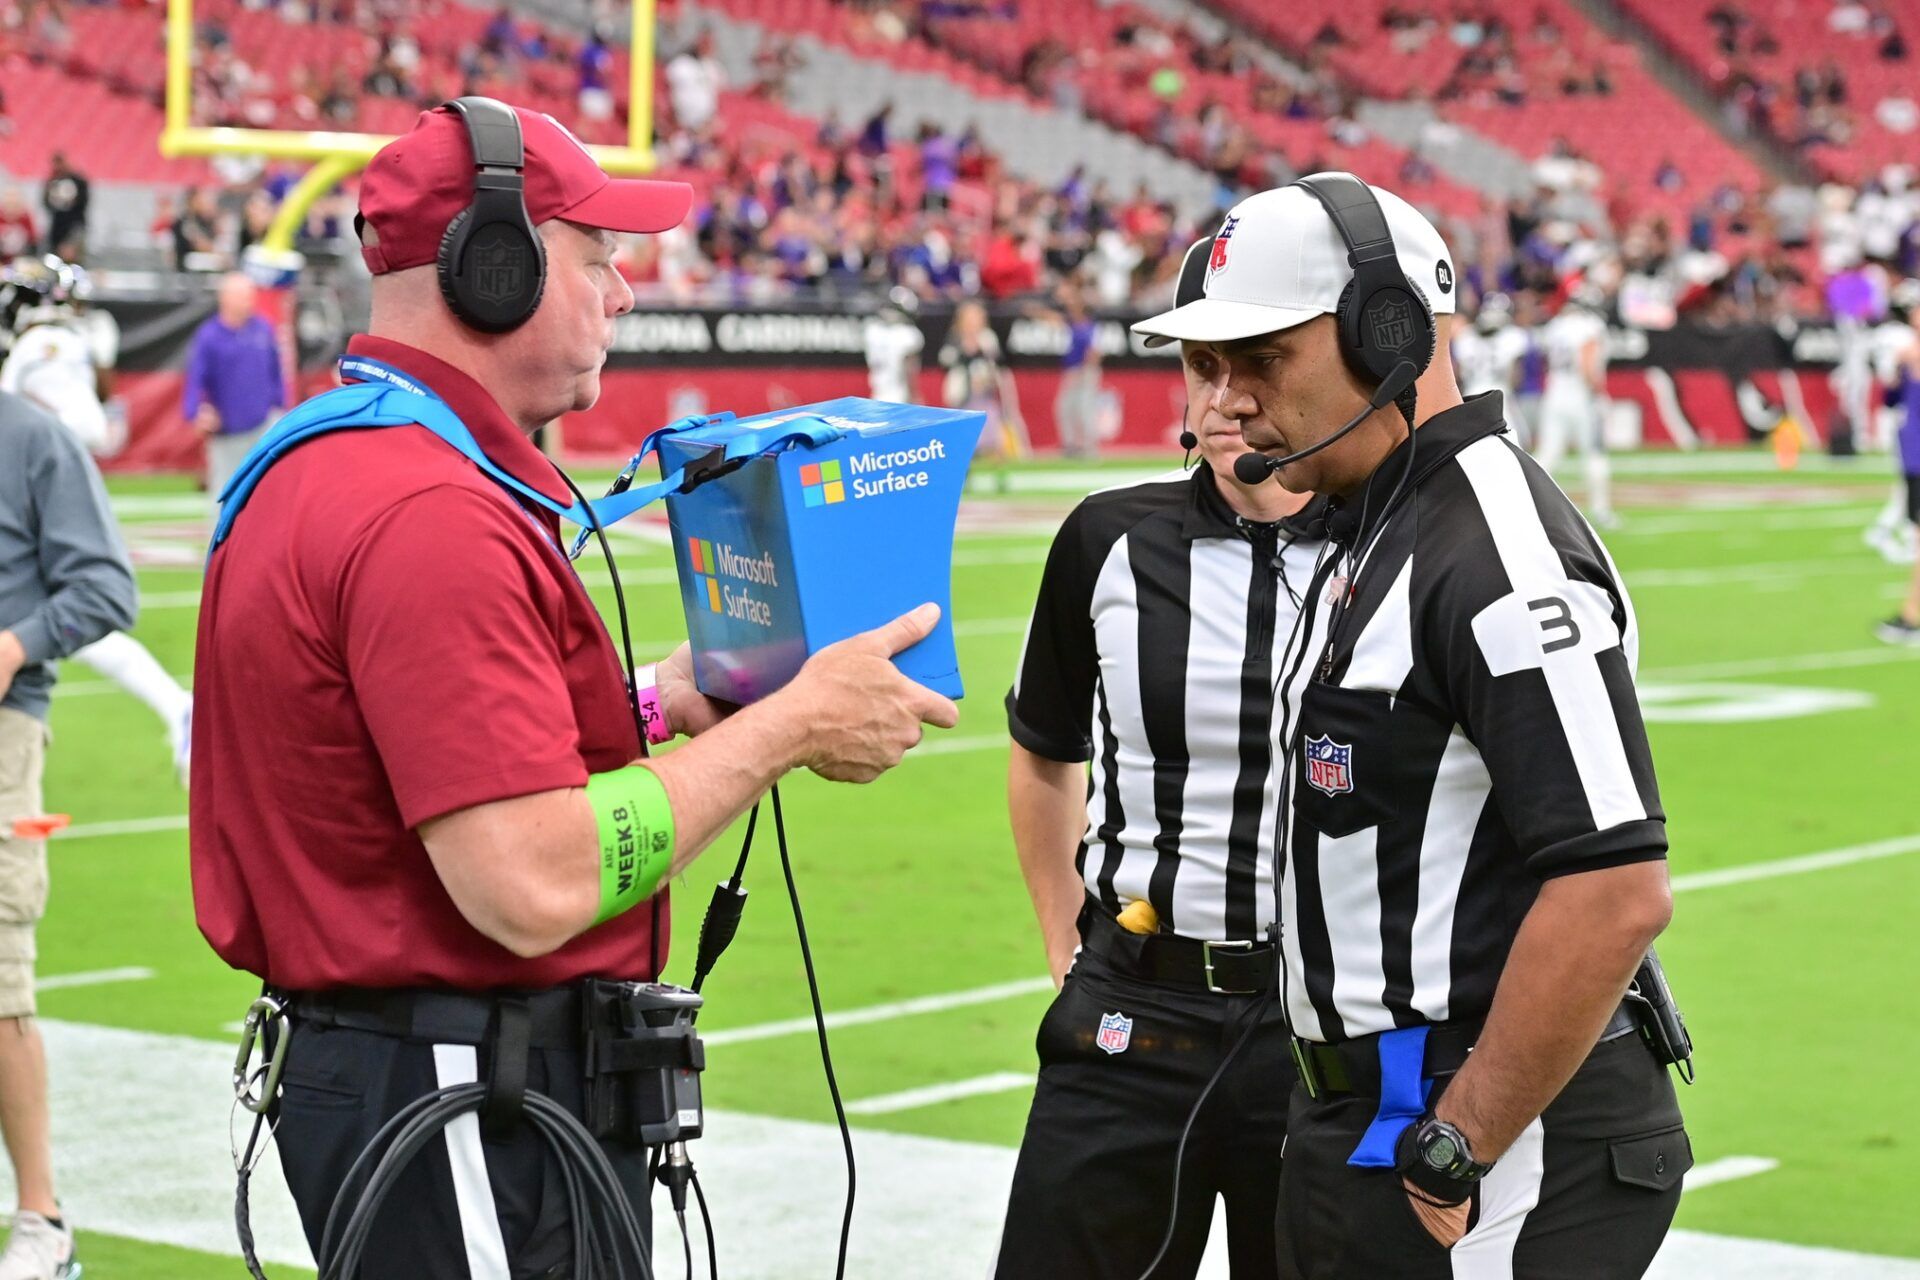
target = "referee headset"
x: 492, y: 265
x: 1191, y: 288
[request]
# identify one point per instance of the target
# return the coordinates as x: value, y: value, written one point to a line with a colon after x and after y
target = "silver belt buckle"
x: 1206, y: 955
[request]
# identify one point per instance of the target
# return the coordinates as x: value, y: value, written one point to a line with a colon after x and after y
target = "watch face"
x: 1441, y: 1152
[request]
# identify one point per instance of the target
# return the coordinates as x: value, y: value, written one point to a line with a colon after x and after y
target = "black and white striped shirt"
x: 1151, y: 654
x: 1469, y: 729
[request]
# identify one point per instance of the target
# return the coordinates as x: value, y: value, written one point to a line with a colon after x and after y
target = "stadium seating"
x: 1800, y: 36
x: 1627, y: 134
x: 1115, y: 85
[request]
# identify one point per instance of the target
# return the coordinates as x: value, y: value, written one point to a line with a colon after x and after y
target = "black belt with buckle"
x: 554, y: 1018
x: 1223, y: 968
x: 1353, y: 1066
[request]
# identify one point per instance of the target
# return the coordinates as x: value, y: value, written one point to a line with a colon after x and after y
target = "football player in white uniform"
x: 59, y: 358
x: 1573, y: 406
x: 1486, y: 357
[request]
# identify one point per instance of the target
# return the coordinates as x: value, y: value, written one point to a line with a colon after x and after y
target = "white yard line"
x: 1797, y: 866
x: 882, y: 1012
x: 1728, y: 1169
x: 1792, y: 866
x: 92, y: 978
x: 934, y: 1094
x: 1777, y: 571
x: 128, y: 827
x: 1833, y: 661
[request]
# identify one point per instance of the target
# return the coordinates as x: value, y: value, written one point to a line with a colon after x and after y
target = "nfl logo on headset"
x: 1329, y: 765
x: 1116, y: 1032
x: 496, y: 271
x: 1393, y: 325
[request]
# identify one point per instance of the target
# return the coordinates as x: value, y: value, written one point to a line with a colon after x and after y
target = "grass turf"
x: 1795, y: 987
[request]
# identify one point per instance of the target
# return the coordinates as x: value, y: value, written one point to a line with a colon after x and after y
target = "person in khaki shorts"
x: 64, y: 583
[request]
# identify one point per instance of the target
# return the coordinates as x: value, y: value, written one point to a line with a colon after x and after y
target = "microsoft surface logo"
x: 820, y: 482
x: 705, y: 566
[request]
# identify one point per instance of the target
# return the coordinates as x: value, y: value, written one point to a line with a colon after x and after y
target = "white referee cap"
x: 1278, y: 261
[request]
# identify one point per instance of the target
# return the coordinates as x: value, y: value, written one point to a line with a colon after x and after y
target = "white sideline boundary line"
x: 92, y: 978
x: 144, y: 1155
x: 934, y: 1094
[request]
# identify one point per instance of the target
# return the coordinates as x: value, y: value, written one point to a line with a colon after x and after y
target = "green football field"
x: 1782, y: 730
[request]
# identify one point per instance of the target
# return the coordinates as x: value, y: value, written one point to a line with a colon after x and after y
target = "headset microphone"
x: 1252, y: 468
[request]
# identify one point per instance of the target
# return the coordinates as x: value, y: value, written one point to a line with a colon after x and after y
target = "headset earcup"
x: 499, y: 301
x: 1399, y: 309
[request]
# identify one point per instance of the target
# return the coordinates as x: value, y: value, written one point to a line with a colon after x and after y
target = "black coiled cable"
x: 609, y: 1242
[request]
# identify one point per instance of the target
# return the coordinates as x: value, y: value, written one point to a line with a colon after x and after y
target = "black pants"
x: 465, y: 1203
x: 1586, y: 1193
x: 1093, y: 1188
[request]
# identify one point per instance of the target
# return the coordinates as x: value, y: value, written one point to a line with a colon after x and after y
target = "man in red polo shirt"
x: 411, y: 725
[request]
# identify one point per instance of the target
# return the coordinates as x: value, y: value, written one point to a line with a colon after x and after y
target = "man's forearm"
x: 1572, y: 960
x: 1046, y: 805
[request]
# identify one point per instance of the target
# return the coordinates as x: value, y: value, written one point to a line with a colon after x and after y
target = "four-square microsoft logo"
x: 705, y: 566
x: 820, y: 482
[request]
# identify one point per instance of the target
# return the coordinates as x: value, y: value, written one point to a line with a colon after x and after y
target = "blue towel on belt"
x: 1403, y: 1096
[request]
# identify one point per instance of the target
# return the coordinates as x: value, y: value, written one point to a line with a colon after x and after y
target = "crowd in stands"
x: 796, y: 207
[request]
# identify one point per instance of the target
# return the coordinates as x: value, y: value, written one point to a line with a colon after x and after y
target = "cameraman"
x: 417, y: 752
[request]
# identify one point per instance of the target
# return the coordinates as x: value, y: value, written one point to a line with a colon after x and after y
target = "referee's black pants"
x: 1093, y: 1187
x: 467, y: 1208
x: 1586, y: 1193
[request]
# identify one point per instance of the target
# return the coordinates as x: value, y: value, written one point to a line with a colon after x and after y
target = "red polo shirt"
x: 388, y: 636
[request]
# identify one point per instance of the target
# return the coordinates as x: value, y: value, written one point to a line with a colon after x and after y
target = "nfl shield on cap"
x: 1278, y: 261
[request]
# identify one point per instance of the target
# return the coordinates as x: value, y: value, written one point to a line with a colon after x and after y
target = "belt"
x: 554, y: 1017
x: 1353, y: 1066
x: 1224, y: 968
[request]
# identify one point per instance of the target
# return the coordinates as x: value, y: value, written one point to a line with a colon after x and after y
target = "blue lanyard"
x: 602, y: 512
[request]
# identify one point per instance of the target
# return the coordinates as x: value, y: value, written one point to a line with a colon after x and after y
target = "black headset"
x: 1384, y: 317
x: 492, y: 265
x: 1191, y: 288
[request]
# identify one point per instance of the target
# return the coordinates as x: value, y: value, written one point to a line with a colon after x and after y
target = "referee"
x: 1151, y: 655
x: 1475, y: 843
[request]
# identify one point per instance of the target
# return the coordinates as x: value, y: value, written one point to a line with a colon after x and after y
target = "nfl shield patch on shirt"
x: 1116, y: 1032
x: 1329, y: 765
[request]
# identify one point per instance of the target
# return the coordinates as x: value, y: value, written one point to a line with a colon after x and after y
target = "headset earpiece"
x: 492, y: 265
x: 1383, y: 316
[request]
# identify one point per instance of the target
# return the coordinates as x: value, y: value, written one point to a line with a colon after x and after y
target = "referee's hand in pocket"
x: 858, y: 715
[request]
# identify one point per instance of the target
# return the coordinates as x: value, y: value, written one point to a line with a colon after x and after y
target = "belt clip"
x: 1243, y: 946
x: 1303, y: 1063
x: 262, y: 1015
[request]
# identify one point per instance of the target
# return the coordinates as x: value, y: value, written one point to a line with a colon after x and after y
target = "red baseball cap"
x: 419, y: 182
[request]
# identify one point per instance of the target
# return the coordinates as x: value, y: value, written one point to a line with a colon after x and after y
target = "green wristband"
x: 636, y: 836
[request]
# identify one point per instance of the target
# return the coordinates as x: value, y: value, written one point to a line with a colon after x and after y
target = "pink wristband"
x: 653, y: 708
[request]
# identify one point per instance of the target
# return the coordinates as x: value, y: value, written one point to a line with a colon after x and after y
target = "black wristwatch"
x: 1433, y: 1155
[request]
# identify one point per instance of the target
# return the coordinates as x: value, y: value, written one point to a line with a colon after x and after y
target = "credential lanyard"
x: 625, y: 498
x: 440, y: 419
